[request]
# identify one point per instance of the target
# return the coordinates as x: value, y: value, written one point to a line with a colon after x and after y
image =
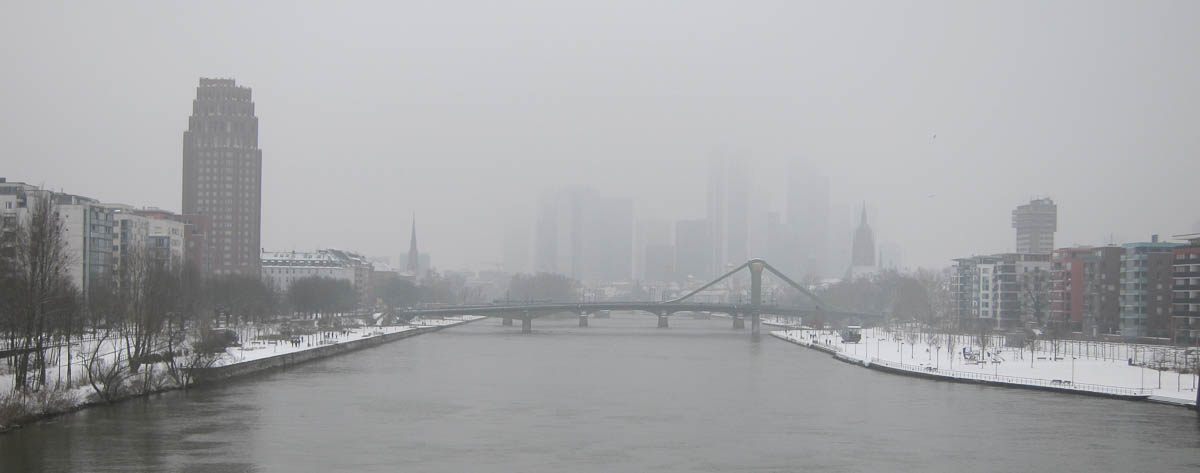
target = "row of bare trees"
x: 38, y: 301
x: 921, y: 296
x: 144, y: 313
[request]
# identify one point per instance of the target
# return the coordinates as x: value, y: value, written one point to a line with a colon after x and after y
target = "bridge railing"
x: 1065, y: 385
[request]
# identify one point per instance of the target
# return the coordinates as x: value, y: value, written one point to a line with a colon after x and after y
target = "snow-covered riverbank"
x: 251, y: 356
x: 259, y: 349
x: 1002, y: 366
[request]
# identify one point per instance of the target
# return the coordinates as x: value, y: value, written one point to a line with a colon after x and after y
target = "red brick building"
x: 1084, y: 289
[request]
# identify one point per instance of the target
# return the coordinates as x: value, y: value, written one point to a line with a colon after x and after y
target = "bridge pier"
x: 507, y: 322
x: 583, y: 320
x: 662, y: 321
x: 755, y: 324
x: 527, y: 324
x: 739, y: 322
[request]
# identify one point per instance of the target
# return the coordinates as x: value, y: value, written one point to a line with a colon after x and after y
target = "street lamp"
x: 1072, y: 370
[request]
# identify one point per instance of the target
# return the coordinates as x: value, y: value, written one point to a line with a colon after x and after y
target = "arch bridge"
x: 738, y: 312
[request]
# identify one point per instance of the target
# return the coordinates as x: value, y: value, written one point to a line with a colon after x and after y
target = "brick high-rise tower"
x: 222, y: 175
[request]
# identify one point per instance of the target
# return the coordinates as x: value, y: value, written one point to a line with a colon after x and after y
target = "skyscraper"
x: 649, y: 234
x: 584, y: 235
x: 728, y: 201
x: 222, y: 175
x: 808, y: 219
x: 1035, y: 223
x: 692, y: 244
x: 516, y: 245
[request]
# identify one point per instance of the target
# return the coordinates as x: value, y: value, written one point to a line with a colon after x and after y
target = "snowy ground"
x: 454, y: 320
x: 59, y: 398
x: 1080, y: 371
x: 252, y: 348
x: 259, y: 349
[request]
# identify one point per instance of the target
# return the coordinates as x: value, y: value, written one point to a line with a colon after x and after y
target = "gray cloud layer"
x: 463, y: 111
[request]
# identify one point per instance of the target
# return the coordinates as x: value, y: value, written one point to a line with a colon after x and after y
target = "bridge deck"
x: 663, y: 308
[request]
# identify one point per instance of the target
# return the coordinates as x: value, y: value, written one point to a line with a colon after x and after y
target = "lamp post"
x: 1072, y: 370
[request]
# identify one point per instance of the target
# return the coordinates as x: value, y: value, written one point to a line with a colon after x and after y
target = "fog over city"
x: 596, y: 236
x: 941, y: 116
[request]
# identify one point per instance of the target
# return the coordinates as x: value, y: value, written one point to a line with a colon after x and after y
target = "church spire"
x: 414, y: 258
x: 862, y: 254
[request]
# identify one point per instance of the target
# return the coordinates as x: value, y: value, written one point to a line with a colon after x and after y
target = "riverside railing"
x: 1064, y: 385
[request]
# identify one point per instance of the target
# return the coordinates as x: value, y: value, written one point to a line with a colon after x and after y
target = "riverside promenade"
x: 1009, y: 367
x: 258, y: 356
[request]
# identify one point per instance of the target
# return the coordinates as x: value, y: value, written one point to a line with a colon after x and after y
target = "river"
x: 620, y: 395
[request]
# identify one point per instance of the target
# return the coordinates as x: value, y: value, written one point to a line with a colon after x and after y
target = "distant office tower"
x: 863, y: 252
x: 649, y: 234
x: 808, y: 219
x: 516, y: 245
x: 841, y: 238
x: 585, y: 236
x: 660, y: 263
x: 222, y: 175
x: 1036, y: 223
x: 692, y: 246
x: 779, y: 243
x: 728, y: 201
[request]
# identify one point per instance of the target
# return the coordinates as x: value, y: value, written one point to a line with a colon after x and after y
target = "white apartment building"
x: 282, y: 268
x: 159, y: 232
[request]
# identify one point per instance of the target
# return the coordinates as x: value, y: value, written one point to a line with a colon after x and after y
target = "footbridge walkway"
x: 738, y: 312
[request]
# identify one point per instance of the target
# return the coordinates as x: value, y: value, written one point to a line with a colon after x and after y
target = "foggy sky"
x: 462, y: 112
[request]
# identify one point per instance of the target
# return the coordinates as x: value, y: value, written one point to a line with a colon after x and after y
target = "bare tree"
x: 1035, y: 294
x: 937, y: 288
x: 37, y: 289
x: 950, y: 339
x: 543, y: 286
x: 148, y: 289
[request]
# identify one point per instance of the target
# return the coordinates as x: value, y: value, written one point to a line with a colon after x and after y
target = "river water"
x: 620, y: 395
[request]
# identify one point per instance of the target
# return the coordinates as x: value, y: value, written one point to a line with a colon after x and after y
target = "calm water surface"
x: 620, y: 395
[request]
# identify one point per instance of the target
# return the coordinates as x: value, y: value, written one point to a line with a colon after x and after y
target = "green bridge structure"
x: 526, y: 312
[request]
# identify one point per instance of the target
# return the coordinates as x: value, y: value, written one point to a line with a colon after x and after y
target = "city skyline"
x: 537, y: 236
x: 934, y: 156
